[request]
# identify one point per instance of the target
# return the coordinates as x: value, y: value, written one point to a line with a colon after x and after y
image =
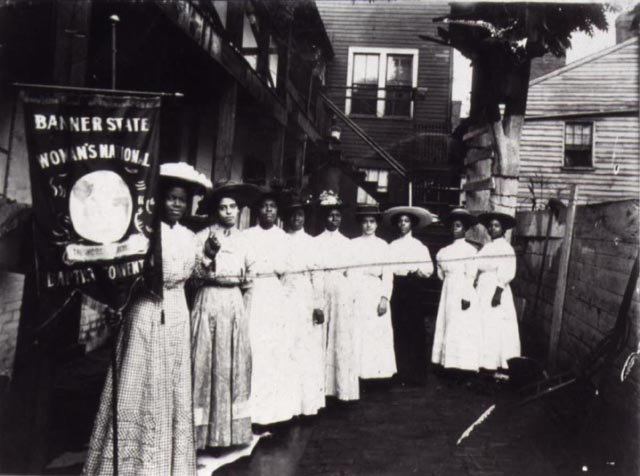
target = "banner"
x: 94, y: 167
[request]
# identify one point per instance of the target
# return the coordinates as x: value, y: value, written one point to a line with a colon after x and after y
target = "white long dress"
x: 342, y: 370
x: 372, y: 279
x: 501, y: 340
x: 275, y: 387
x: 303, y: 288
x: 457, y: 339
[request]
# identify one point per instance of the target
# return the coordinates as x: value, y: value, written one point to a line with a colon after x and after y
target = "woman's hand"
x: 318, y: 316
x: 383, y: 306
x: 464, y: 304
x: 497, y: 297
x: 211, y: 247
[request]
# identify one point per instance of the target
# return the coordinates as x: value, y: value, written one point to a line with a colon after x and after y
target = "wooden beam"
x: 276, y: 165
x: 226, y: 130
x: 198, y: 27
x: 561, y: 284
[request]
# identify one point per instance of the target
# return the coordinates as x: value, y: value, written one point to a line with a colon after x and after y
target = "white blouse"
x: 334, y: 251
x: 498, y: 258
x: 409, y: 254
x: 370, y: 256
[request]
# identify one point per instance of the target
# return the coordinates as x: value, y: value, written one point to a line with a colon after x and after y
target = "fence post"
x: 561, y: 285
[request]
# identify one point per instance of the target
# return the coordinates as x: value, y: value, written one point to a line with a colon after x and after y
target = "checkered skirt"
x: 155, y: 432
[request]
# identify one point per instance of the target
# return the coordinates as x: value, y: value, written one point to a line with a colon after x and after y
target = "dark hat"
x: 421, y: 216
x: 368, y: 211
x: 268, y: 191
x: 463, y: 215
x: 242, y: 193
x: 329, y: 200
x: 507, y: 221
x: 295, y: 200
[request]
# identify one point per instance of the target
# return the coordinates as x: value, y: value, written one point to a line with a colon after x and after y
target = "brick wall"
x: 11, y: 285
x: 605, y: 244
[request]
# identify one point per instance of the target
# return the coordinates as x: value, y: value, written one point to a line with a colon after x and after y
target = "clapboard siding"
x: 605, y: 81
x: 616, y: 173
x: 388, y: 24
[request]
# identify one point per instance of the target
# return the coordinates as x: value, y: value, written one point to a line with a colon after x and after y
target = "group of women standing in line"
x: 476, y: 326
x: 281, y: 320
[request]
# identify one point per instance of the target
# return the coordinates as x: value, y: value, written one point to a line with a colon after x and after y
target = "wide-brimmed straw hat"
x: 507, y: 221
x: 368, y: 211
x: 185, y: 174
x: 243, y: 193
x: 329, y: 200
x: 462, y: 214
x: 421, y: 216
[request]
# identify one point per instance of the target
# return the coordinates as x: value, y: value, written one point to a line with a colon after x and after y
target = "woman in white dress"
x: 457, y: 338
x: 275, y: 381
x: 411, y: 266
x: 155, y: 424
x: 342, y: 366
x: 220, y: 328
x: 496, y: 269
x: 372, y: 280
x: 303, y: 287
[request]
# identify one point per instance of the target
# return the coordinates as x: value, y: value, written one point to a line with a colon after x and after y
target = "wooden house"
x: 390, y: 87
x: 582, y: 128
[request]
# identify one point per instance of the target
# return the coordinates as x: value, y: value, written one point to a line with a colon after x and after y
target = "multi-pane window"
x: 399, y: 85
x: 364, y: 92
x: 373, y: 176
x: 381, y: 81
x: 578, y: 144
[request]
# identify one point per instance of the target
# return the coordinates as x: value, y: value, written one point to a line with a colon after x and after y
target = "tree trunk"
x: 492, y: 159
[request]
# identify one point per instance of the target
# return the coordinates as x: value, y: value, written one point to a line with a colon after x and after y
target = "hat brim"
x: 507, y: 221
x: 243, y: 193
x: 421, y: 215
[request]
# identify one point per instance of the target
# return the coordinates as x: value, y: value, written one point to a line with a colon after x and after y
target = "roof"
x: 586, y: 59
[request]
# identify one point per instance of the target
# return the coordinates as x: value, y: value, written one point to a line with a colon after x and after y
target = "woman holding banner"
x: 220, y: 335
x: 155, y: 425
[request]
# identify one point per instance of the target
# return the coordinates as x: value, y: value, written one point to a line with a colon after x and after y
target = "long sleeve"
x: 203, y: 266
x: 426, y: 265
x: 386, y: 272
x: 440, y: 267
x: 506, y: 265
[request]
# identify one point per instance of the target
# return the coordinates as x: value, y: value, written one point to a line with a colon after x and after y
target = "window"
x: 374, y: 176
x: 578, y: 144
x: 380, y: 81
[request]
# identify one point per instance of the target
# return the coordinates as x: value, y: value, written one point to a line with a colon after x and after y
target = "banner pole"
x: 114, y: 349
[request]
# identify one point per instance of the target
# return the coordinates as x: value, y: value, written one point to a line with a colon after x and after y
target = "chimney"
x: 627, y: 24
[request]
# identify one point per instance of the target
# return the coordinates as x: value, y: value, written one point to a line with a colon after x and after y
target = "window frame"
x: 369, y: 171
x: 381, y: 101
x: 565, y: 165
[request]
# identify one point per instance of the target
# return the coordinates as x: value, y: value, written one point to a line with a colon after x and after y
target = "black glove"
x: 497, y: 297
x: 318, y: 316
x: 112, y: 317
x: 464, y: 304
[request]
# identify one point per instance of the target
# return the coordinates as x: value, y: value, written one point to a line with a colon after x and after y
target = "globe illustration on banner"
x: 100, y: 206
